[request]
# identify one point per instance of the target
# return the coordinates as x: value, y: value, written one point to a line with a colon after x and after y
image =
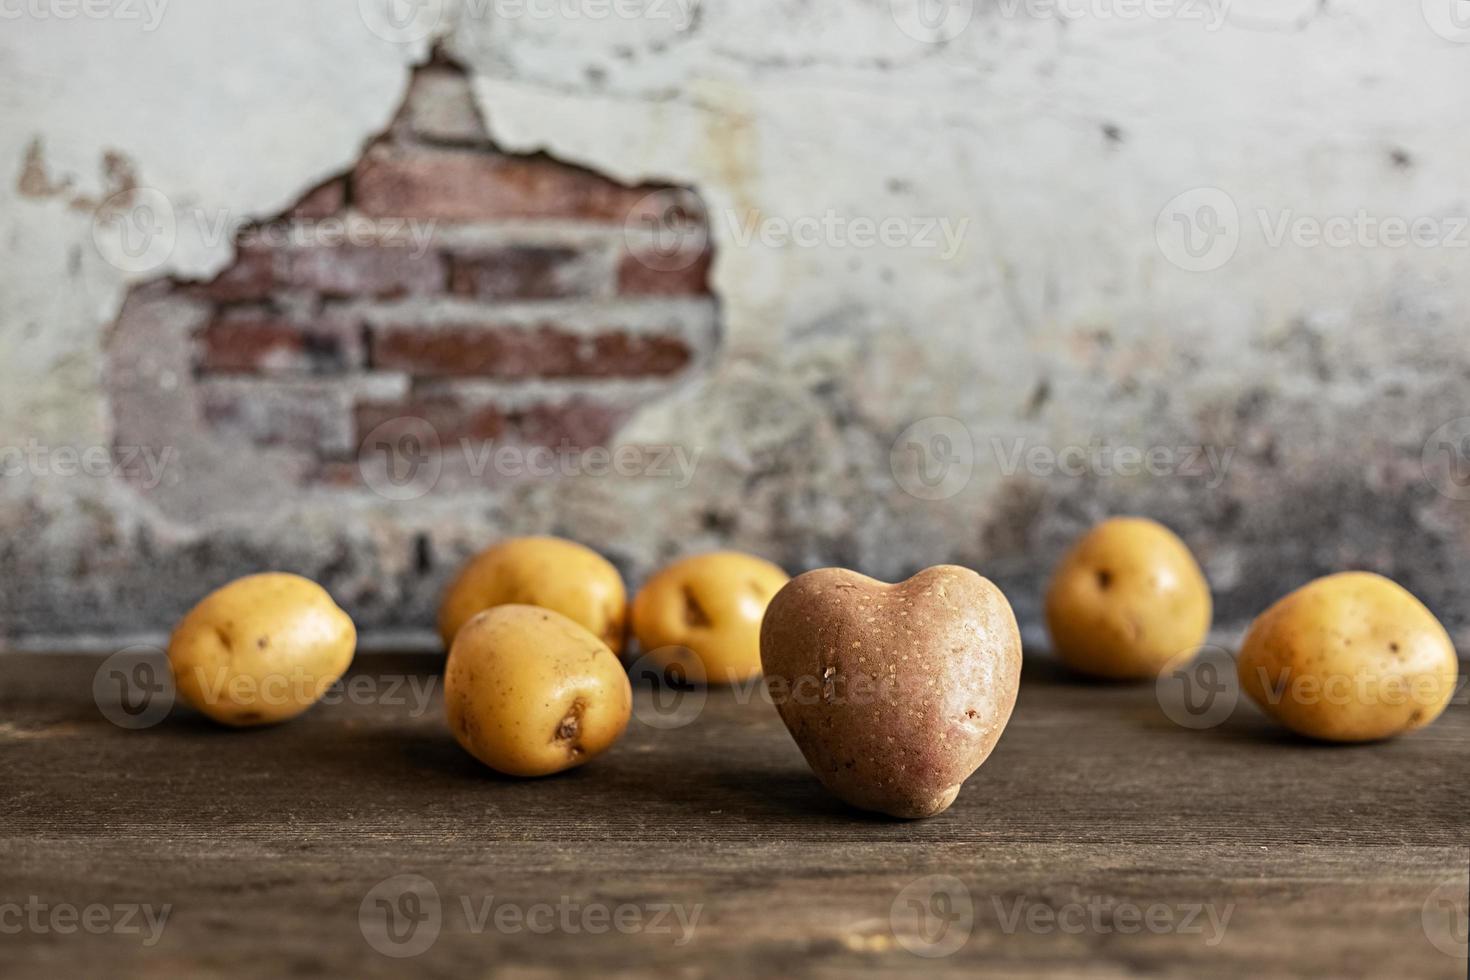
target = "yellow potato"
x: 1127, y: 598
x: 704, y: 614
x: 528, y: 692
x: 548, y: 572
x: 1349, y: 658
x: 261, y: 650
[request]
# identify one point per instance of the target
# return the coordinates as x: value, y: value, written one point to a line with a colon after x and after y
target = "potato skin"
x: 261, y: 649
x: 895, y: 693
x: 552, y: 573
x: 1126, y: 599
x: 1352, y: 657
x: 705, y: 613
x: 529, y: 692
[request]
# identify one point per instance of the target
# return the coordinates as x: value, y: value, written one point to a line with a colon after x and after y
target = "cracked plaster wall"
x: 1059, y: 321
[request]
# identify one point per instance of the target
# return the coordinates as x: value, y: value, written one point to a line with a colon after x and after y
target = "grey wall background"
x: 985, y: 273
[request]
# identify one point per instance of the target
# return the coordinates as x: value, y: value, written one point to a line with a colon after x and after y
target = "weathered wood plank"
x: 1253, y: 851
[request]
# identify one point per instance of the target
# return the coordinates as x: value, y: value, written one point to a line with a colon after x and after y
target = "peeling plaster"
x: 1328, y: 366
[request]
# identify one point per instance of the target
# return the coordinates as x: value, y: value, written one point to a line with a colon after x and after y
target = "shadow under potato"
x: 1045, y: 668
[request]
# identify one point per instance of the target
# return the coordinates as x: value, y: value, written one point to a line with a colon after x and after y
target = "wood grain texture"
x: 1094, y: 810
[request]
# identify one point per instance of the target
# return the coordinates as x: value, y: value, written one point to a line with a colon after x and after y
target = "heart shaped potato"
x: 894, y: 693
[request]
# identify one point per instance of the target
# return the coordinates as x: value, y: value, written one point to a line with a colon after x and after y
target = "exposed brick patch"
x: 266, y: 342
x: 682, y: 274
x: 508, y: 300
x: 252, y: 277
x: 578, y: 421
x: 325, y: 199
x: 454, y: 185
x: 452, y: 418
x: 498, y: 351
x: 526, y: 272
x: 336, y: 271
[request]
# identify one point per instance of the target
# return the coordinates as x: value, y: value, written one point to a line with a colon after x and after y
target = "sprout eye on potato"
x: 262, y: 649
x: 548, y: 572
x: 1350, y: 658
x: 1127, y: 599
x: 704, y: 613
x: 529, y: 692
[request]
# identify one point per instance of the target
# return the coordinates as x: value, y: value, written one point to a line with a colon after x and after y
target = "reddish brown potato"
x: 895, y: 693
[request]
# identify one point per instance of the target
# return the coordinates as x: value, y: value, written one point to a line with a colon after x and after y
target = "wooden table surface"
x: 1101, y: 839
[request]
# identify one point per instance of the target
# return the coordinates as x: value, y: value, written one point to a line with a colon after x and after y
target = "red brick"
x: 371, y: 271
x: 321, y: 201
x: 525, y: 272
x: 497, y: 351
x: 452, y: 418
x: 579, y: 422
x: 685, y: 274
x: 260, y: 341
x: 252, y: 276
x: 469, y: 185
